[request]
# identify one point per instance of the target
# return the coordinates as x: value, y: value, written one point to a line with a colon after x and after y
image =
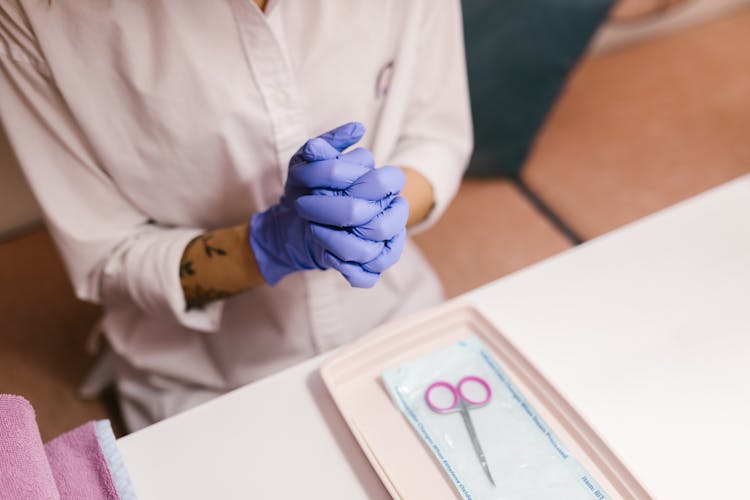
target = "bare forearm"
x: 218, y: 264
x: 418, y: 192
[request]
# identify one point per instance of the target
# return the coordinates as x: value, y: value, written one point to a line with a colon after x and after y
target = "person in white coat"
x: 152, y: 132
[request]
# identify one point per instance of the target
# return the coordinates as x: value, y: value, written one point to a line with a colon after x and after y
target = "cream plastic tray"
x: 406, y: 467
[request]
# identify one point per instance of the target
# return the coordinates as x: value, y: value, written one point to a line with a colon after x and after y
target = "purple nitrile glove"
x: 369, y: 208
x: 284, y: 242
x: 388, y: 225
x: 320, y: 163
x: 388, y: 228
x: 367, y: 274
x: 356, y: 205
x: 345, y: 202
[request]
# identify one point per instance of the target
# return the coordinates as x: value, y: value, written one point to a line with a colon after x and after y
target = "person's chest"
x: 194, y: 109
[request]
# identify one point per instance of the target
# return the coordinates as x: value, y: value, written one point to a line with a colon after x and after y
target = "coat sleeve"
x: 436, y: 133
x: 113, y: 252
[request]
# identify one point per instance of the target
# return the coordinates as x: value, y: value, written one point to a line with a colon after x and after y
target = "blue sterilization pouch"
x: 450, y: 394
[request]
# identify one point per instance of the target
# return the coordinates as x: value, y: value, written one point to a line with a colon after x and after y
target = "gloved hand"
x: 368, y: 208
x: 366, y: 275
x: 319, y: 163
x: 349, y: 194
x: 283, y: 242
x: 388, y: 227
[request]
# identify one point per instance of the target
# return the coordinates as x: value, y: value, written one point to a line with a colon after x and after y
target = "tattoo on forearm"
x: 216, y: 265
x: 210, y: 250
x: 186, y: 266
x: 195, y: 265
x: 200, y: 296
x: 186, y: 269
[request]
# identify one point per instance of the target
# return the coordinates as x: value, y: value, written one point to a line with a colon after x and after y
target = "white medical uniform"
x: 143, y: 123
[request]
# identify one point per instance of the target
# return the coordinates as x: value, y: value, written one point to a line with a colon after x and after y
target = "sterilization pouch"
x: 454, y: 393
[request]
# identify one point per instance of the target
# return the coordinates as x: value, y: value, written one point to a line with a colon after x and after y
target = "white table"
x: 645, y: 330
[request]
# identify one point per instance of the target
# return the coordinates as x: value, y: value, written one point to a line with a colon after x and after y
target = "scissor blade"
x: 475, y: 442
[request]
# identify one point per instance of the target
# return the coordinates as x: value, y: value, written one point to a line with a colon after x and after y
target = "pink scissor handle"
x: 457, y: 393
x: 436, y: 408
x: 480, y: 381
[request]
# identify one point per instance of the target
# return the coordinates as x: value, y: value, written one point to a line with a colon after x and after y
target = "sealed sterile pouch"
x: 482, y: 431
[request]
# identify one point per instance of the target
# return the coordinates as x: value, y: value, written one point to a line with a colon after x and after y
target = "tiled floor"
x: 490, y: 230
x: 649, y: 125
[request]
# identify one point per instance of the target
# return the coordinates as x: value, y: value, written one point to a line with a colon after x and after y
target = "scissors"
x: 462, y: 404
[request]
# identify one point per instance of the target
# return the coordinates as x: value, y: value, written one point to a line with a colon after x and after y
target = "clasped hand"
x: 337, y: 211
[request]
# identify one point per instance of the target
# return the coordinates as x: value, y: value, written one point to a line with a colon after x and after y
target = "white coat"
x: 141, y: 124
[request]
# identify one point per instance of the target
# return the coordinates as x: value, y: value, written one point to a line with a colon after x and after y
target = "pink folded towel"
x: 78, y: 465
x: 81, y: 464
x: 24, y: 469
